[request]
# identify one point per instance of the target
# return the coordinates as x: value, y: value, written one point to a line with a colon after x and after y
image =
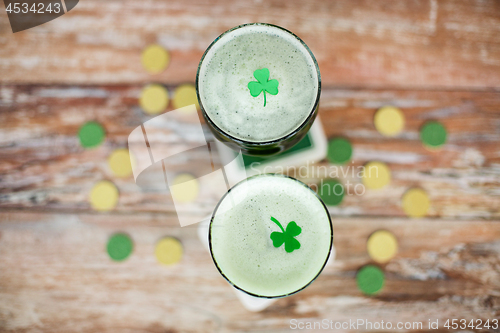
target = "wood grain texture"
x: 43, y: 166
x: 434, y: 59
x: 56, y: 277
x: 425, y: 43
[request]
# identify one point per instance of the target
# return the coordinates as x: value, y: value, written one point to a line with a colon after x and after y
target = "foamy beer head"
x: 258, y: 86
x: 270, y: 236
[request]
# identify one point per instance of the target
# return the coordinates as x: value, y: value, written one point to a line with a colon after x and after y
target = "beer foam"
x: 228, y: 67
x: 240, y: 235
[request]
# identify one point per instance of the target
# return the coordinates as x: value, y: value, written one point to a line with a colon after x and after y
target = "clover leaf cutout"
x: 287, y: 237
x: 263, y: 84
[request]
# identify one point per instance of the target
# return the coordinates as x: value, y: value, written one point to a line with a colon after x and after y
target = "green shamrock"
x: 287, y: 237
x: 263, y: 84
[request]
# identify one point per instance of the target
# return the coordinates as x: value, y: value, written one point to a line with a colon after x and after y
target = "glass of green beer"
x: 270, y: 236
x: 258, y: 87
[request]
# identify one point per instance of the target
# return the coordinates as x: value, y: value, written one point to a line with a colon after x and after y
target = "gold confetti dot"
x: 104, y: 196
x: 169, y: 251
x: 155, y: 59
x: 382, y: 246
x: 184, y: 188
x: 154, y: 99
x: 389, y: 121
x: 415, y: 202
x: 376, y: 175
x: 119, y: 163
x: 185, y: 95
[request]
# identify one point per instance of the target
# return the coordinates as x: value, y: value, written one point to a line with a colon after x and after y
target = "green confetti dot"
x: 119, y: 247
x: 91, y: 134
x: 331, y: 192
x: 433, y: 134
x: 370, y: 279
x: 339, y: 151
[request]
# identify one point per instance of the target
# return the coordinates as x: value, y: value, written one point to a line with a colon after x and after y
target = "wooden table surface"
x: 435, y: 60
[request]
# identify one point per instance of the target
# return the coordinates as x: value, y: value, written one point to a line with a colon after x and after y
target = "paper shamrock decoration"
x: 262, y: 84
x: 286, y: 236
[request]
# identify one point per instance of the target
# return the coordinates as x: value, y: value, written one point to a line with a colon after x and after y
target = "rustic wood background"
x: 433, y: 59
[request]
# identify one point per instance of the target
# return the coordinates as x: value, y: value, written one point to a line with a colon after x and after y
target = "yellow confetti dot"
x: 104, y: 196
x: 376, y: 175
x: 185, y: 188
x: 415, y: 202
x: 169, y: 251
x: 382, y: 246
x: 154, y: 99
x: 119, y: 163
x: 155, y: 59
x: 389, y: 121
x: 185, y: 95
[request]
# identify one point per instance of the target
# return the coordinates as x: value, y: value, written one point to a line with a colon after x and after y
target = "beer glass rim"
x: 215, y: 212
x: 270, y: 142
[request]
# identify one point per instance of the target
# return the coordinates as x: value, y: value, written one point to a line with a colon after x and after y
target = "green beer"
x: 270, y: 236
x: 258, y: 87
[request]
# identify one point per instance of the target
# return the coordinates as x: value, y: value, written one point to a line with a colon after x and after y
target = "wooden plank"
x: 42, y: 165
x: 434, y: 43
x: 56, y: 277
